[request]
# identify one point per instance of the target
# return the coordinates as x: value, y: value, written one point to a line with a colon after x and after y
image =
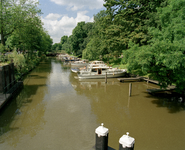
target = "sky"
x: 60, y: 17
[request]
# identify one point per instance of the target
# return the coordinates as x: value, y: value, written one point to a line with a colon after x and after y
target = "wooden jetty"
x: 158, y: 90
x: 130, y: 79
x: 139, y: 78
x: 151, y: 91
x: 151, y: 81
x: 5, y: 97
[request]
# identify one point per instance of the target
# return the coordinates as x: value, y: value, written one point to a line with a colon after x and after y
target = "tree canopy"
x: 149, y: 35
x: 21, y: 26
x: 163, y: 58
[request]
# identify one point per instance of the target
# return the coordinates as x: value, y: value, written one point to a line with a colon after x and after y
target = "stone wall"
x: 7, y: 78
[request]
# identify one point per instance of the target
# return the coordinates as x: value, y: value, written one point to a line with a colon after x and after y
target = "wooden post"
x: 126, y: 142
x: 101, y: 138
x: 148, y: 80
x: 106, y: 77
x: 130, y: 89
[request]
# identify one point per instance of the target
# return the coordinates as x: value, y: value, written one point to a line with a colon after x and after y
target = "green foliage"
x: 63, y: 39
x: 78, y: 39
x: 164, y: 57
x: 18, y: 60
x: 21, y: 27
x: 56, y: 47
x: 2, y: 48
x: 23, y: 65
x: 46, y: 42
x: 96, y: 47
x: 91, y: 52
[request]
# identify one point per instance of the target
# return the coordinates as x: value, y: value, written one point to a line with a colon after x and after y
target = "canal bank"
x: 9, y: 87
x: 5, y: 97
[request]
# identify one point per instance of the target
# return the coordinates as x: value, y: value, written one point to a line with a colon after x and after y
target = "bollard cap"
x: 102, y: 131
x: 127, y: 141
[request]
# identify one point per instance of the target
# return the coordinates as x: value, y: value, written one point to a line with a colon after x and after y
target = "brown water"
x: 55, y: 111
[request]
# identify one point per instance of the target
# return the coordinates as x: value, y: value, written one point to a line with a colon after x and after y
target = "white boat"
x: 75, y: 70
x: 98, y: 70
x: 79, y: 64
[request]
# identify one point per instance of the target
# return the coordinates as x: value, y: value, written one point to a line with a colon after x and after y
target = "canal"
x: 57, y: 111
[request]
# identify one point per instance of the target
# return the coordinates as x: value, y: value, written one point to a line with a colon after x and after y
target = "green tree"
x: 67, y: 46
x: 56, y: 47
x: 45, y: 42
x: 14, y: 15
x: 164, y: 56
x: 130, y: 22
x: 79, y: 35
x: 63, y: 39
x: 27, y: 37
x: 96, y: 47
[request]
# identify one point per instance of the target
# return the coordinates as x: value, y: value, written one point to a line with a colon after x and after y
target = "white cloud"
x: 27, y: 2
x: 52, y: 16
x: 79, y: 4
x: 64, y: 26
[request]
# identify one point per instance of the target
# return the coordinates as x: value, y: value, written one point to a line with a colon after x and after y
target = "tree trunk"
x: 2, y: 37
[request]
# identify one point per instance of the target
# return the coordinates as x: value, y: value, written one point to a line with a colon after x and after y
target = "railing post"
x: 126, y: 142
x: 101, y: 138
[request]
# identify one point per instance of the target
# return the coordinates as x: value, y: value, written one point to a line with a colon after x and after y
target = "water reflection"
x: 24, y: 114
x: 112, y: 105
x: 6, y: 117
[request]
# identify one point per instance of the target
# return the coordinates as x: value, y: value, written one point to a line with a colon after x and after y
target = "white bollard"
x: 126, y: 142
x: 101, y: 138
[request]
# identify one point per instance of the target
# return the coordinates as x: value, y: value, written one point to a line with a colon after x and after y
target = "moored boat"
x: 79, y: 64
x: 98, y: 70
x: 75, y: 70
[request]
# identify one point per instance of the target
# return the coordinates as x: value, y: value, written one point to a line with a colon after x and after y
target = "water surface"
x: 56, y: 111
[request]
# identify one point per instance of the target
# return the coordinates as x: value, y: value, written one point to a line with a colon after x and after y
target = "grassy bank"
x: 23, y: 63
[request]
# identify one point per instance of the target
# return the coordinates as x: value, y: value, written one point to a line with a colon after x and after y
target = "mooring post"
x: 126, y: 142
x: 106, y: 77
x: 101, y: 138
x: 148, y: 80
x: 130, y: 89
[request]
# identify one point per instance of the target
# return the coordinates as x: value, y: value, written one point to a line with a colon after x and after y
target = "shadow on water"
x: 32, y: 89
x: 7, y: 115
x: 173, y: 102
x: 12, y: 108
x: 36, y: 77
x: 109, y: 148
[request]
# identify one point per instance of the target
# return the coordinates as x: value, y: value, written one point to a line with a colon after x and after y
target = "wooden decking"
x: 130, y: 79
x: 138, y: 79
x: 158, y: 90
x: 151, y: 81
x: 6, y: 97
x: 154, y: 90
